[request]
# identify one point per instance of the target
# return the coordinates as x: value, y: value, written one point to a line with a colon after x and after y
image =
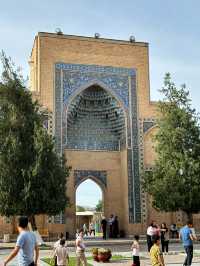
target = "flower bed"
x: 101, y: 254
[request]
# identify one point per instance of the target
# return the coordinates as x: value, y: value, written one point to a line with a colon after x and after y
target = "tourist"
x: 57, y: 244
x: 25, y: 246
x: 61, y: 253
x: 151, y: 231
x: 77, y: 233
x: 104, y: 227
x: 85, y: 230
x: 80, y: 249
x: 155, y: 252
x: 115, y: 227
x: 164, y: 237
x: 110, y: 222
x: 174, y: 230
x: 92, y: 229
x: 187, y: 238
x: 135, y: 249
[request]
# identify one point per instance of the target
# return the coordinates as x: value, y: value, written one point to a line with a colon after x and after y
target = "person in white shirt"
x: 62, y: 254
x: 136, y: 249
x: 80, y: 249
x: 57, y: 244
x: 92, y: 229
x: 151, y: 231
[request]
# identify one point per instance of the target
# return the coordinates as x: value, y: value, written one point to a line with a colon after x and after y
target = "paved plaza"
x: 175, y: 257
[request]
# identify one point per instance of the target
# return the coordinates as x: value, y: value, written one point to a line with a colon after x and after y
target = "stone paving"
x: 175, y: 258
x: 170, y: 260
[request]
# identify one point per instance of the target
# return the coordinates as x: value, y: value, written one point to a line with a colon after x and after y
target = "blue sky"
x: 171, y: 27
x: 88, y: 193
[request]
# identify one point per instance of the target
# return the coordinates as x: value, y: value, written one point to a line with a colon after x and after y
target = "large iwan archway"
x: 96, y: 128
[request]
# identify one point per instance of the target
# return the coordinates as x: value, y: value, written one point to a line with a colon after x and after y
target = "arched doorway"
x: 89, y: 207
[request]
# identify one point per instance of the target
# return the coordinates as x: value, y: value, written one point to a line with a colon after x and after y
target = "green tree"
x: 174, y: 182
x: 32, y: 175
x: 99, y: 206
x: 80, y: 208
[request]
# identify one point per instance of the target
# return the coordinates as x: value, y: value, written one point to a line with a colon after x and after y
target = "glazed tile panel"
x: 71, y: 79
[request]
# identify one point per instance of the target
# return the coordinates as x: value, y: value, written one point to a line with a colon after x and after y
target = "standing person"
x: 80, y: 249
x: 164, y: 237
x: 92, y: 229
x: 187, y: 238
x: 110, y: 222
x: 57, y: 244
x: 136, y: 249
x: 61, y: 253
x: 104, y: 227
x: 25, y: 246
x: 174, y: 230
x: 115, y: 227
x: 150, y: 233
x: 155, y: 252
x: 85, y: 230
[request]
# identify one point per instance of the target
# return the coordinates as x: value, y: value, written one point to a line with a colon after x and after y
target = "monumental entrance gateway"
x: 97, y: 95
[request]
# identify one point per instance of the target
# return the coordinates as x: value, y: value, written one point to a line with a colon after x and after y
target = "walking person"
x: 57, y: 244
x: 80, y: 249
x: 104, y: 227
x: 187, y: 238
x: 136, y: 249
x: 62, y: 254
x: 164, y: 231
x: 25, y: 246
x: 156, y: 255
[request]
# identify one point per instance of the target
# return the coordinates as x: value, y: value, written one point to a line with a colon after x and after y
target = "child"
x: 61, y: 254
x: 155, y: 252
x: 135, y: 248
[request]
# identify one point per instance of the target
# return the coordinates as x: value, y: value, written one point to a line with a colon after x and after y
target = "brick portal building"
x: 97, y: 93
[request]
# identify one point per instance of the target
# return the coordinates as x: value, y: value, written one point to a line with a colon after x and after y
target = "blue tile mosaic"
x: 70, y: 80
x: 81, y: 175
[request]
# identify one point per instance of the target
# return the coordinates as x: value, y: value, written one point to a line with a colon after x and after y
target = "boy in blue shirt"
x: 187, y: 238
x: 25, y: 246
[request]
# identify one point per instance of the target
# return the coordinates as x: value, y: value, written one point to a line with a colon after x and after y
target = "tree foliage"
x: 99, y: 206
x: 174, y: 182
x: 32, y: 175
x: 80, y: 208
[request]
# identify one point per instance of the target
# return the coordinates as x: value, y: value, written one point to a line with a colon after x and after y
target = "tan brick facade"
x: 49, y: 49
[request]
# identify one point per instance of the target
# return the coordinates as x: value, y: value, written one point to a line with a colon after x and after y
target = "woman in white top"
x: 136, y: 249
x: 62, y: 254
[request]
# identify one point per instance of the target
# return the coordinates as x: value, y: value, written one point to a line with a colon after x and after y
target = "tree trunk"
x: 33, y: 222
x: 189, y: 217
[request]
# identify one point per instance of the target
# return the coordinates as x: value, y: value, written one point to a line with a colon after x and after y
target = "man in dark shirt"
x: 104, y: 227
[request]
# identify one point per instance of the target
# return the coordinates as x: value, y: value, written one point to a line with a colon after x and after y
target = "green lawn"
x: 72, y: 260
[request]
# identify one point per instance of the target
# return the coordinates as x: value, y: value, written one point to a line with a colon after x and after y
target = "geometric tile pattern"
x: 72, y: 79
x: 81, y: 175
